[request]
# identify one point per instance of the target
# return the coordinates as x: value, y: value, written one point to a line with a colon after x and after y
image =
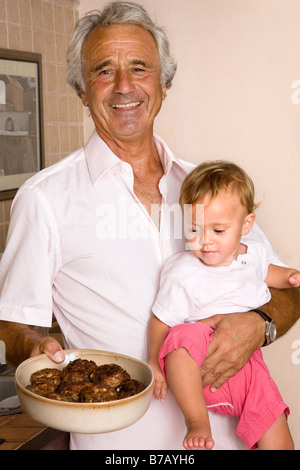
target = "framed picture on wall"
x: 21, y: 124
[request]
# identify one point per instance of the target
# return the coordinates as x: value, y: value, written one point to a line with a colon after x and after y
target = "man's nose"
x: 123, y: 82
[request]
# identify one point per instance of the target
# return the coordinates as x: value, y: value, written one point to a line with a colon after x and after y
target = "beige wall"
x: 233, y: 98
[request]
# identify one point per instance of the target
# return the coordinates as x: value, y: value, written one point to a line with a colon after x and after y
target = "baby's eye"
x: 219, y: 230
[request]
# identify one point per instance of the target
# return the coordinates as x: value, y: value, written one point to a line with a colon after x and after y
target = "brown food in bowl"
x: 44, y: 389
x: 85, y: 382
x: 71, y: 391
x: 111, y: 375
x: 49, y: 376
x: 78, y: 370
x: 98, y: 393
x: 130, y: 387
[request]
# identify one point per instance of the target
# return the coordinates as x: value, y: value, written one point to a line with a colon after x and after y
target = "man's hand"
x: 23, y: 341
x: 51, y: 347
x: 236, y: 337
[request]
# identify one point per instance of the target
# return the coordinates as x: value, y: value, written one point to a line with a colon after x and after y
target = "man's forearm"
x: 19, y: 341
x: 236, y: 336
x: 283, y: 308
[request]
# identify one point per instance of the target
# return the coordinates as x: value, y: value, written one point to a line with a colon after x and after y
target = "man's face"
x: 121, y: 69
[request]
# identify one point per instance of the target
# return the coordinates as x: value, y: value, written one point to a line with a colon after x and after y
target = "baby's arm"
x: 281, y: 277
x: 157, y: 331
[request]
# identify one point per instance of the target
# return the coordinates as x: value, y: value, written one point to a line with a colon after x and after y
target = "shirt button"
x: 244, y: 262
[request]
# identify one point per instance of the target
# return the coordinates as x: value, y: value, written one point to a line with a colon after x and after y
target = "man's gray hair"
x: 117, y: 13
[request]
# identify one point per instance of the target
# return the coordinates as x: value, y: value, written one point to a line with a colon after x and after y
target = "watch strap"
x: 262, y: 314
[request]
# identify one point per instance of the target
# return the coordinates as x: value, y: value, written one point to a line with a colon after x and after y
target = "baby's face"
x: 217, y: 242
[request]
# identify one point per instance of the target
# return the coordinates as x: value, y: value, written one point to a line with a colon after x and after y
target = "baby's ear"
x: 248, y: 223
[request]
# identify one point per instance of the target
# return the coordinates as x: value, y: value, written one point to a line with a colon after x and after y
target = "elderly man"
x: 97, y: 268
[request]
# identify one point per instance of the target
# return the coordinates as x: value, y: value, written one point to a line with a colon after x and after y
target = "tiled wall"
x: 45, y: 26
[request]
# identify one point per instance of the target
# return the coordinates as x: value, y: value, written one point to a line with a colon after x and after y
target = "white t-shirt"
x: 191, y: 291
x: 81, y: 245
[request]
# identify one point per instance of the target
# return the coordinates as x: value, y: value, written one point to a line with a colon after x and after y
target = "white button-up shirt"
x: 81, y: 245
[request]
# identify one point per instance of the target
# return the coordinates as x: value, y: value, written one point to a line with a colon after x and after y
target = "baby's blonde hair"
x: 212, y: 177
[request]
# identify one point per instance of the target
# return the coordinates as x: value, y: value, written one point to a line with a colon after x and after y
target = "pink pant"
x: 251, y: 394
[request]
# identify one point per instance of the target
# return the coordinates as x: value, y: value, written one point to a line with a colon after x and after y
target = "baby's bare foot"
x: 198, y: 436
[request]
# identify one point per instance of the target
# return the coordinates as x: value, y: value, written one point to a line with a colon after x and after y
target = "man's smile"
x: 134, y: 104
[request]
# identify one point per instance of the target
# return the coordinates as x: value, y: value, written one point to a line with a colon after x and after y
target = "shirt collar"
x: 101, y: 159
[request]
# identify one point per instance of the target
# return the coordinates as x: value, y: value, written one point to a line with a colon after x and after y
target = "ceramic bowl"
x: 86, y: 417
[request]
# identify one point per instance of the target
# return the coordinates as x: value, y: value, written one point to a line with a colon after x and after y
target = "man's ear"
x: 248, y: 223
x: 164, y: 91
x: 83, y: 97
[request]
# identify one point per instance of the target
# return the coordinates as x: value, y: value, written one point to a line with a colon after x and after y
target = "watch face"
x: 272, y: 332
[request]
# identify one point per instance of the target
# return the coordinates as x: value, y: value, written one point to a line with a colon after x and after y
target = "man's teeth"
x: 128, y: 105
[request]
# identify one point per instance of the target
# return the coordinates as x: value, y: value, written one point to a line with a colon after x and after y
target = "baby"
x: 220, y: 273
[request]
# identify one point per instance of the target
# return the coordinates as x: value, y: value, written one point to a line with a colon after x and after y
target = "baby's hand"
x: 160, y: 384
x: 294, y: 279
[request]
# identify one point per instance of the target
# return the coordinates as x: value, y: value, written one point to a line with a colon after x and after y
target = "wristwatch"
x: 270, y: 327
